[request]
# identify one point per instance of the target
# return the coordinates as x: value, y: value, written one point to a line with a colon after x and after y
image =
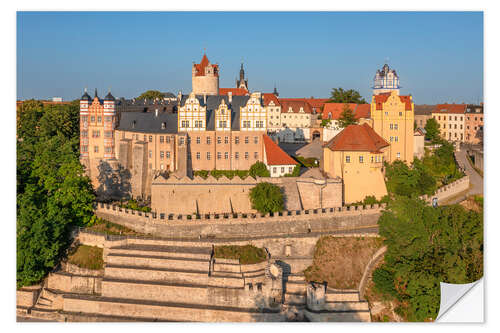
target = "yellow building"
x: 393, y: 120
x: 357, y: 155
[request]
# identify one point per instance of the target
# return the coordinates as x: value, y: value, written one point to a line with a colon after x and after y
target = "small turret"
x: 85, y: 96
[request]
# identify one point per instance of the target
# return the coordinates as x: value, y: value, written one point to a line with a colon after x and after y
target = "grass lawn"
x: 110, y: 228
x: 247, y: 254
x: 85, y: 256
x: 341, y: 261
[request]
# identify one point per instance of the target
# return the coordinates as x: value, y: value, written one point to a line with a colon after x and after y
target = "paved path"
x: 476, y: 181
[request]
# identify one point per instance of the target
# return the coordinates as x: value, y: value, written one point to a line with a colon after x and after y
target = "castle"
x: 126, y: 145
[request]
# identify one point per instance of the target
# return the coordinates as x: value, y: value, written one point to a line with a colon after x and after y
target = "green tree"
x: 266, y: 198
x: 432, y: 131
x: 259, y: 169
x: 426, y: 246
x: 347, y: 117
x: 151, y: 95
x: 339, y: 95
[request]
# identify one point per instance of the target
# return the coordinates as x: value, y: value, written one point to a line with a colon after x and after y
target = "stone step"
x: 356, y: 316
x: 295, y: 298
x: 44, y: 301
x: 295, y: 287
x: 165, y: 310
x: 172, y: 275
x: 44, y: 306
x: 156, y: 261
x: 342, y: 296
x: 224, y: 267
x: 163, y: 251
x: 46, y: 314
x: 347, y: 306
x: 177, y: 292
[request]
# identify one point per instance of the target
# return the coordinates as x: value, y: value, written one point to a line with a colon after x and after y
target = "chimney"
x: 179, y: 96
x: 156, y: 112
x: 230, y: 96
x: 205, y: 99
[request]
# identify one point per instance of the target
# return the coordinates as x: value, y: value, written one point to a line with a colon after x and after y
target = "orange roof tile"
x: 357, y: 138
x: 234, y: 91
x: 336, y: 109
x: 450, y: 108
x: 382, y: 98
x: 269, y: 97
x: 200, y: 68
x: 275, y: 155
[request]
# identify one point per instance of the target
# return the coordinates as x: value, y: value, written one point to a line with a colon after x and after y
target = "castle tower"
x: 84, y: 125
x: 242, y: 83
x: 386, y: 80
x: 109, y: 126
x: 205, y: 77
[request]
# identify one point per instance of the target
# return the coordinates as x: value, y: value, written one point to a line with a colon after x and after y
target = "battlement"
x: 450, y: 190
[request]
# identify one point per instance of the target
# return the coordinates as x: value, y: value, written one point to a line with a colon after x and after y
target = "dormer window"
x: 133, y: 124
x: 163, y: 125
x: 290, y: 109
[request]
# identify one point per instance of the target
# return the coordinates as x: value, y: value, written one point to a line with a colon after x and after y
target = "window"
x: 226, y: 155
x: 96, y: 134
x: 185, y: 123
x: 222, y: 124
x: 395, y: 126
x: 461, y: 118
x: 455, y: 118
x: 236, y: 155
x: 290, y: 169
x: 181, y: 140
x: 198, y: 155
x: 259, y: 124
x: 481, y: 119
x: 282, y: 169
x: 161, y: 166
x: 390, y: 126
x: 167, y: 139
x: 209, y: 140
x: 85, y: 134
x: 150, y: 154
x: 198, y: 140
x: 162, y: 154
x: 219, y: 155
x: 398, y: 155
x: 255, y: 155
x: 108, y: 149
x: 372, y: 159
x: 208, y: 155
x: 99, y: 119
x: 455, y: 134
x: 391, y: 139
x: 361, y: 159
x: 144, y: 138
x: 108, y: 134
x: 163, y: 126
x: 246, y: 155
x: 348, y: 159
x: 236, y: 139
x: 246, y: 139
x: 449, y: 126
x: 107, y: 119
x: 96, y: 149
x: 256, y: 139
x: 396, y: 139
x: 246, y: 124
x: 168, y: 154
x: 219, y: 140
x: 461, y: 127
x: 400, y: 114
x: 455, y: 126
x: 226, y: 140
x: 161, y: 139
x: 85, y: 149
x: 150, y: 138
x: 439, y: 117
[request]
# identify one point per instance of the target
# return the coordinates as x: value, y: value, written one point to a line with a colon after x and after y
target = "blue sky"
x: 438, y: 55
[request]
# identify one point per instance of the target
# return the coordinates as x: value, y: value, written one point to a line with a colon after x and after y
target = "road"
x: 476, y: 181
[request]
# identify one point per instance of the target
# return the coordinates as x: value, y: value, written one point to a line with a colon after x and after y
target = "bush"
x: 266, y: 198
x: 384, y: 281
x: 89, y: 257
x: 133, y: 204
x: 259, y: 169
x: 247, y: 254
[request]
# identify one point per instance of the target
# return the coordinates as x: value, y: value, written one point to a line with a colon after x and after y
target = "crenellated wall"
x: 450, y: 190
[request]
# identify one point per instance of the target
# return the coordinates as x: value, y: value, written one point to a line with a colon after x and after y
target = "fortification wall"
x: 27, y: 296
x: 74, y: 283
x: 242, y: 225
x: 450, y: 190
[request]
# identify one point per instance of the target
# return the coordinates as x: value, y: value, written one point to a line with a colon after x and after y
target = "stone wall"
x: 203, y: 196
x: 74, y: 283
x: 242, y: 225
x: 27, y: 296
x: 450, y: 190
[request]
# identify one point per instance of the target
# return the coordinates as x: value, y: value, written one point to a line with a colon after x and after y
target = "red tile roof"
x: 269, y: 97
x: 450, y: 108
x: 357, y: 138
x: 336, y: 109
x: 382, y: 98
x: 315, y: 103
x: 200, y: 68
x: 295, y: 104
x: 275, y: 155
x: 234, y: 91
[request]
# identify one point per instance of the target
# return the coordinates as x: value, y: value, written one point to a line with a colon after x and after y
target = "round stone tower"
x: 205, y: 77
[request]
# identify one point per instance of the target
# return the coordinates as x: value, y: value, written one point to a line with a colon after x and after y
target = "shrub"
x: 266, y: 198
x: 259, y: 169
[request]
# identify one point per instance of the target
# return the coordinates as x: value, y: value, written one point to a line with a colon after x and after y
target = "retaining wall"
x: 26, y: 297
x: 74, y: 283
x: 450, y: 190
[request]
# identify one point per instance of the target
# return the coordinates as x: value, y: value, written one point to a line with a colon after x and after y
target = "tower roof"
x: 109, y: 97
x: 200, y: 68
x: 85, y: 96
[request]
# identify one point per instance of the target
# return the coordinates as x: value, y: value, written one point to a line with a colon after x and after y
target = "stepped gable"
x: 383, y: 97
x: 357, y: 138
x: 275, y: 155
